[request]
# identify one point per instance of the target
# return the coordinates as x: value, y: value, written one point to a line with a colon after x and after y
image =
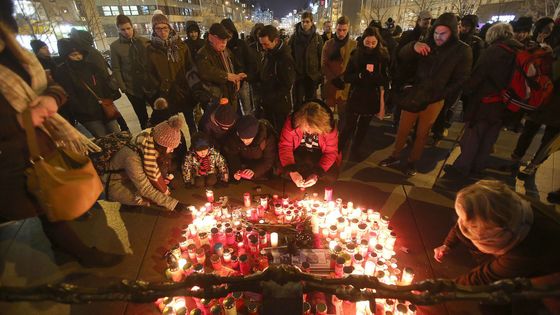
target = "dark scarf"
x: 338, y: 44
x: 170, y: 45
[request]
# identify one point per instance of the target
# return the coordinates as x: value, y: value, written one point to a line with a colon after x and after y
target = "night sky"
x: 283, y: 7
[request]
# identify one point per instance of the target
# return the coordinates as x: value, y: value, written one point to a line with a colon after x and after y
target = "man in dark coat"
x: 277, y: 77
x: 41, y: 50
x: 251, y: 150
x: 306, y: 47
x: 169, y: 61
x: 245, y: 61
x: 327, y: 31
x: 444, y: 64
x: 128, y: 59
x: 194, y: 40
x: 217, y: 68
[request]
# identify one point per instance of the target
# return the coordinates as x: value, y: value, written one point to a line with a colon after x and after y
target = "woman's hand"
x: 42, y: 108
x: 441, y: 252
x: 297, y: 179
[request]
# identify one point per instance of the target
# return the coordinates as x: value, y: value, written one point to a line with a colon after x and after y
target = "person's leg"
x: 139, y: 106
x: 245, y: 98
x: 96, y: 128
x: 363, y: 127
x: 310, y: 89
x: 348, y: 131
x: 469, y: 144
x: 199, y: 181
x: 487, y: 140
x: 189, y: 118
x: 426, y: 119
x: 529, y: 131
x: 112, y: 127
x: 211, y: 180
x: 63, y: 238
x: 550, y: 132
x: 298, y: 93
x: 407, y: 120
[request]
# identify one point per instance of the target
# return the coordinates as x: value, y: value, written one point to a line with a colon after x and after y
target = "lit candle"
x: 369, y: 268
x: 209, y: 195
x: 274, y: 239
x: 328, y: 193
x: 407, y: 276
x: 247, y: 199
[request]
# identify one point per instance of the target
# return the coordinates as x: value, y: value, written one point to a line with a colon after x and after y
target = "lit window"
x: 144, y: 10
x: 130, y: 10
x: 115, y: 10
x: 107, y: 10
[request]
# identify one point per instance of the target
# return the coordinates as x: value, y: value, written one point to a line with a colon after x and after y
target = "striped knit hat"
x: 168, y: 133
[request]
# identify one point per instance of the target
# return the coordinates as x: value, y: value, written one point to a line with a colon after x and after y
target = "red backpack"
x: 530, y: 85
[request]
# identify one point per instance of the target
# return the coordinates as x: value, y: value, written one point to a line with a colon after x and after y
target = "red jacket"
x: 290, y: 140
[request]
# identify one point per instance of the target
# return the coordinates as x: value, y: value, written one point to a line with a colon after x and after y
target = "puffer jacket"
x: 262, y: 152
x: 128, y: 184
x: 445, y: 69
x: 290, y: 140
x: 306, y: 53
x: 128, y: 61
x: 191, y: 166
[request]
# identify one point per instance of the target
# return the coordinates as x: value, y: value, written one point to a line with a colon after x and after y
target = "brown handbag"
x: 65, y: 183
x: 110, y: 111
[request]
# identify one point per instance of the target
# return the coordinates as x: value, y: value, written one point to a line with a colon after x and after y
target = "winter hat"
x: 168, y: 133
x: 192, y: 26
x: 219, y: 30
x: 37, y: 44
x: 247, y: 127
x: 523, y: 24
x: 224, y: 115
x: 159, y: 18
x: 200, y: 142
x: 66, y: 46
x: 424, y: 15
x: 470, y: 19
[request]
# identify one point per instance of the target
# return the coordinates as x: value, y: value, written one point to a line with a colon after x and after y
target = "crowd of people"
x: 269, y: 105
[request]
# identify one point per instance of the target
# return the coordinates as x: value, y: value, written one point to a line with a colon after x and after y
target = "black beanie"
x: 37, y: 44
x: 247, y: 127
x: 200, y: 142
x: 224, y: 116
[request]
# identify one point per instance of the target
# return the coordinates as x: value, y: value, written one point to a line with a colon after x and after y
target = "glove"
x: 181, y: 207
x: 338, y: 83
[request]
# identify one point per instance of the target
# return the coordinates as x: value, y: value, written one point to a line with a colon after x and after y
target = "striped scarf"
x: 145, y: 143
x: 19, y: 94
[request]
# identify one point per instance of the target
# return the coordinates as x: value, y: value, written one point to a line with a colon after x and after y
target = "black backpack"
x: 109, y: 144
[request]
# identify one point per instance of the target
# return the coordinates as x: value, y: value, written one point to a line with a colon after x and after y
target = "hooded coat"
x: 306, y: 49
x: 94, y: 57
x: 194, y: 44
x: 277, y: 78
x: 245, y: 59
x: 73, y: 76
x: 290, y: 140
x: 260, y: 154
x: 128, y: 60
x: 443, y: 71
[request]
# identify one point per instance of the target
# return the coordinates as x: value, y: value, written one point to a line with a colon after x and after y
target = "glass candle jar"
x: 209, y: 195
x: 338, y: 269
x: 244, y: 265
x: 247, y: 199
x: 191, y: 250
x: 203, y: 237
x: 227, y: 255
x: 230, y: 237
x: 216, y: 262
x: 229, y: 306
x: 200, y: 256
x: 219, y: 249
x: 234, y: 262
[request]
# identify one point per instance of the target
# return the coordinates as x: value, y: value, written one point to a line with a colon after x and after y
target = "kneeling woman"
x: 308, y: 146
x: 519, y: 235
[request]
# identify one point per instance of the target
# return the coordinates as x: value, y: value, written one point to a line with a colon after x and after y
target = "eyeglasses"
x: 159, y: 29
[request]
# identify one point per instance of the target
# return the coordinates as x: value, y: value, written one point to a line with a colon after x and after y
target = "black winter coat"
x: 490, y: 75
x: 260, y: 156
x: 277, y: 77
x: 82, y: 105
x: 364, y: 97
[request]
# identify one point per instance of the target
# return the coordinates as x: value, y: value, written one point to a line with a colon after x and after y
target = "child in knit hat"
x: 204, y: 166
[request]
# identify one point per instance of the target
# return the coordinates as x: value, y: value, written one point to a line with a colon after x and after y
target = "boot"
x: 64, y: 239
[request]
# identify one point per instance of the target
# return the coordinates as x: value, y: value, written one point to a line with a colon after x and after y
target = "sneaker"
x: 410, y: 169
x: 389, y: 161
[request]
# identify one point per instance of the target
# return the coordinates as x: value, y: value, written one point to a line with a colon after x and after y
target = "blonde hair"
x: 490, y: 201
x: 314, y: 116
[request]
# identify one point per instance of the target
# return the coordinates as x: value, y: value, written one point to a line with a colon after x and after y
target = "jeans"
x: 476, y: 146
x: 356, y: 127
x: 304, y: 89
x: 426, y: 119
x: 529, y: 131
x: 100, y: 128
x: 139, y: 106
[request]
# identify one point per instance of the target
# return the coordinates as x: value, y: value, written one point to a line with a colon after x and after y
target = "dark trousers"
x: 307, y: 161
x: 355, y: 127
x: 476, y: 146
x: 529, y: 131
x: 277, y: 120
x: 205, y: 181
x: 139, y: 106
x: 304, y: 89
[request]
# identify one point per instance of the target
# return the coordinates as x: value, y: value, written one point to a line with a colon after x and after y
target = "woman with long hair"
x: 367, y: 73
